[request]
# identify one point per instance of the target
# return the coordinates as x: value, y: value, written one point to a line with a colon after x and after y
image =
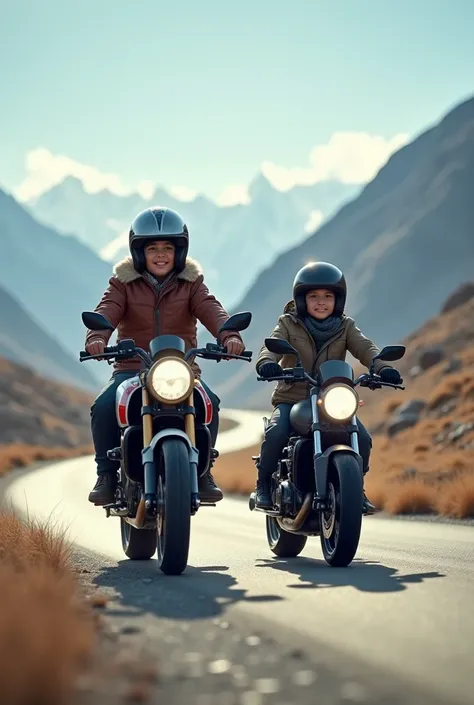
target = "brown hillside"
x: 40, y: 419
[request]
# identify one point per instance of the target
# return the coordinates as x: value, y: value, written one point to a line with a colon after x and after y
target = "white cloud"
x: 234, y: 195
x: 146, y: 189
x: 314, y: 221
x: 45, y: 170
x: 348, y: 157
x: 183, y: 193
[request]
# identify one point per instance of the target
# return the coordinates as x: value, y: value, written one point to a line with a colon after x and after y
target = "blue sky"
x: 200, y: 94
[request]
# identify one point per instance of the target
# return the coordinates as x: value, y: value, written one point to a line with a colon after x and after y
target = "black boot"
x: 208, y: 490
x: 367, y: 506
x: 104, y: 489
x: 263, y: 499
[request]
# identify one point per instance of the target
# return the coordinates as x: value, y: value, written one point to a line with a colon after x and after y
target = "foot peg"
x: 114, y: 454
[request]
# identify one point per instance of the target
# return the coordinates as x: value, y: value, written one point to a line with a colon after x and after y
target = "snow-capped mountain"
x: 233, y: 243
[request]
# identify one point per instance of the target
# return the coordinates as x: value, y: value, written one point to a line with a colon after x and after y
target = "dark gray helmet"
x: 157, y: 223
x: 319, y: 275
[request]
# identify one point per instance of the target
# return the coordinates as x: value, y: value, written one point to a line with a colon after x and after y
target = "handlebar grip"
x: 247, y: 353
x: 275, y: 379
x: 111, y: 350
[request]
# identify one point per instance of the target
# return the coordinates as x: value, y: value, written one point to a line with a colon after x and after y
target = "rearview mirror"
x: 96, y: 321
x: 391, y: 353
x: 280, y: 347
x: 238, y: 322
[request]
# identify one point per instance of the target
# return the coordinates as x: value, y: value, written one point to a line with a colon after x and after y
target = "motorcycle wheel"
x: 281, y: 542
x: 174, y: 514
x: 138, y: 544
x: 341, y: 523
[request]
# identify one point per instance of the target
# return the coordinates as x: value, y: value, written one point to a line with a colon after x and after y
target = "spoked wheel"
x: 281, y: 542
x: 174, y: 508
x: 341, y: 522
x: 137, y: 544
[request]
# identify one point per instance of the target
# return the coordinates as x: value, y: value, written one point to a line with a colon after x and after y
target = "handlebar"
x: 122, y: 352
x: 217, y: 353
x: 370, y: 381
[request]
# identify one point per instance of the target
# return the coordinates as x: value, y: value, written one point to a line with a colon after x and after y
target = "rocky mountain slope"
x: 53, y: 277
x: 404, y: 244
x: 39, y: 419
x: 22, y: 340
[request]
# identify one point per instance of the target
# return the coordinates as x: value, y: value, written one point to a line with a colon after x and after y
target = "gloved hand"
x: 390, y: 375
x: 269, y: 369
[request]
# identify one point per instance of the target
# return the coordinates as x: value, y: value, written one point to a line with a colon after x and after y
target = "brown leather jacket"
x: 137, y: 311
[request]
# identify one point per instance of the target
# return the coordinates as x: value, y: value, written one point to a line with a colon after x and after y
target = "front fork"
x: 319, y: 461
x: 149, y: 497
x: 190, y: 428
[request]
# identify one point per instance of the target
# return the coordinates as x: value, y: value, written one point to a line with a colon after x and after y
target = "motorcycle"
x: 317, y: 488
x: 163, y: 414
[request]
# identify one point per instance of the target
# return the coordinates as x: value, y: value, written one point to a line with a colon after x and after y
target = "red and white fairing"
x: 206, y: 400
x: 122, y: 398
x: 129, y: 386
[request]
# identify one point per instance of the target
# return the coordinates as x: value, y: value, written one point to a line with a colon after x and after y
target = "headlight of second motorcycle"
x: 170, y: 380
x: 339, y: 401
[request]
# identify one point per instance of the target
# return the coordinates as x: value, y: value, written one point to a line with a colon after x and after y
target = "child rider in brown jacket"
x: 315, y: 325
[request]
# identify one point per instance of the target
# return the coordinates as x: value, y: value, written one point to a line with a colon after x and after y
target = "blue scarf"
x: 321, y: 331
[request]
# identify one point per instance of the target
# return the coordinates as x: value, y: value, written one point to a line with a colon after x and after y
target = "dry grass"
x: 46, y: 629
x: 20, y: 455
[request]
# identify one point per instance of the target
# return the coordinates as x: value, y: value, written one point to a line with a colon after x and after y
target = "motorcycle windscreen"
x: 333, y: 371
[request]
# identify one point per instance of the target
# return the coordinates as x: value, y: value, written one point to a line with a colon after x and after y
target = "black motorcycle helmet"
x: 319, y: 275
x: 157, y: 223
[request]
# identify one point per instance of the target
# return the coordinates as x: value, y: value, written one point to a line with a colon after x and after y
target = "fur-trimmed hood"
x: 126, y: 272
x: 290, y: 307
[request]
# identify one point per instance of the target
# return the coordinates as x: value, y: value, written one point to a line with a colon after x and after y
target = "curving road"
x: 401, y: 617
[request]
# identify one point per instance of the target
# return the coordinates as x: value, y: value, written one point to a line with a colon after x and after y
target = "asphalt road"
x: 397, y: 626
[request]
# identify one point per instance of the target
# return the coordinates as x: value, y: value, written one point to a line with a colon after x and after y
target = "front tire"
x: 281, y: 542
x: 174, y: 517
x: 138, y: 544
x: 341, y: 525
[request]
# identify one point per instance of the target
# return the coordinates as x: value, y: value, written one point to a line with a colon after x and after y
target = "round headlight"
x: 170, y: 380
x: 339, y: 402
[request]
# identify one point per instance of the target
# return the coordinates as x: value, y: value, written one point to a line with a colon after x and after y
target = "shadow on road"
x: 366, y: 576
x: 199, y: 593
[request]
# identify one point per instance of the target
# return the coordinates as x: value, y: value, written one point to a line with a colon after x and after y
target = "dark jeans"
x: 278, y: 432
x: 105, y: 430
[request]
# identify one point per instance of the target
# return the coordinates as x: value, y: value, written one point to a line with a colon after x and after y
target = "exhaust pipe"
x: 296, y: 523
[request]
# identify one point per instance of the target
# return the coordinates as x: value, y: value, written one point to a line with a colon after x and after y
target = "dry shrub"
x: 460, y: 384
x: 412, y: 497
x: 19, y: 455
x: 46, y: 629
x: 457, y: 500
x: 376, y: 490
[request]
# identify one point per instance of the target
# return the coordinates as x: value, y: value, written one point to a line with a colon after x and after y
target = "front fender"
x: 321, y: 463
x: 148, y: 455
